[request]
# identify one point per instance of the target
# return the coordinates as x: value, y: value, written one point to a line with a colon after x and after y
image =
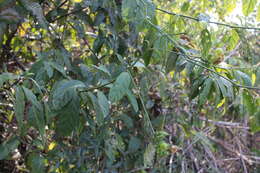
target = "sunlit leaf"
x: 248, y: 6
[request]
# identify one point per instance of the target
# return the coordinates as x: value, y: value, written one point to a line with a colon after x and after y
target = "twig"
x: 137, y: 169
x: 216, y: 23
x: 65, y: 15
x: 224, y: 123
x: 97, y: 87
x: 241, y: 158
x: 183, y: 51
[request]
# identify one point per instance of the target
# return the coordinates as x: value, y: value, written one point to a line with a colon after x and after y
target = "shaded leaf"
x: 132, y: 100
x: 64, y: 92
x: 103, y: 103
x: 205, y: 91
x: 120, y: 87
x: 8, y: 146
x: 19, y: 105
x: 36, y: 163
x: 248, y: 101
x: 149, y: 155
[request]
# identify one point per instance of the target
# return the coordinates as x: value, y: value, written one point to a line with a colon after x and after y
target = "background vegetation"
x: 116, y: 86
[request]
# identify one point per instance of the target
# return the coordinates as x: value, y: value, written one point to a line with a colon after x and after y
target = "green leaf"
x: 128, y: 121
x: 36, y: 163
x: 36, y: 9
x: 9, y: 16
x: 258, y: 13
x: 205, y: 91
x: 103, y: 103
x: 248, y: 6
x: 64, y: 92
x: 134, y: 144
x: 68, y: 116
x: 120, y: 87
x: 171, y: 62
x: 233, y: 39
x: 138, y: 10
x: 243, y: 77
x: 132, y: 100
x: 19, y: 105
x: 8, y: 146
x: 32, y: 98
x: 149, y: 155
x: 101, y: 112
x: 248, y: 101
x: 103, y: 69
x: 205, y: 42
x: 48, y: 69
x: 4, y: 77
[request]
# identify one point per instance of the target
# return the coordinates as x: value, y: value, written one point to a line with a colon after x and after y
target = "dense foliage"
x: 117, y: 86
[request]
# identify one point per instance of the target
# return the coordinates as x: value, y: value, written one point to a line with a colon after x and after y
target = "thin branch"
x: 183, y: 51
x: 97, y: 87
x: 65, y: 15
x: 224, y: 123
x: 216, y: 23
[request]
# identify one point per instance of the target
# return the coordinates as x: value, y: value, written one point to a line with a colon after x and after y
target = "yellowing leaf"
x: 221, y: 103
x: 76, y: 1
x: 52, y: 146
x: 253, y: 78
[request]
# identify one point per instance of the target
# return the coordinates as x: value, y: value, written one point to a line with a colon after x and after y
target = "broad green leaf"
x: 248, y: 101
x: 248, y: 6
x: 171, y: 62
x: 120, y: 87
x: 36, y: 163
x: 243, y: 77
x: 8, y: 146
x: 36, y: 119
x: 233, y: 39
x: 32, y: 98
x: 36, y: 9
x: 230, y: 5
x: 128, y: 121
x: 4, y: 77
x: 255, y: 122
x: 103, y: 103
x: 138, y: 11
x: 149, y: 155
x: 101, y: 112
x: 19, y: 105
x: 9, y: 16
x: 258, y: 13
x: 205, y: 42
x: 205, y: 91
x: 134, y: 144
x: 222, y: 87
x: 103, y: 69
x: 48, y: 69
x: 58, y: 67
x: 68, y: 116
x: 132, y: 100
x: 64, y: 92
